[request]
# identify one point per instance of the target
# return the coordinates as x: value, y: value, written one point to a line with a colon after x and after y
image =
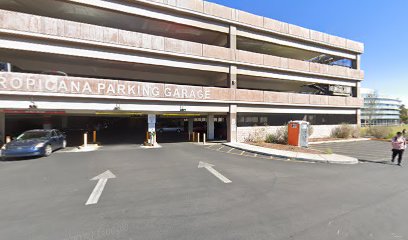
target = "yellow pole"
x: 94, y: 136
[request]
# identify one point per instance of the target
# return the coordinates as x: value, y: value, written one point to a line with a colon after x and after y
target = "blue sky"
x: 381, y: 25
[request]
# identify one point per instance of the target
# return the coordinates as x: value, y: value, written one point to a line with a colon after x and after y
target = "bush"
x: 380, y: 132
x: 257, y: 136
x: 279, y: 137
x: 356, y: 132
x: 343, y: 131
x: 311, y: 130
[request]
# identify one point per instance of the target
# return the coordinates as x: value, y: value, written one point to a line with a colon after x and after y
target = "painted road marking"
x: 220, y: 148
x: 242, y: 153
x: 102, y: 180
x: 230, y: 150
x: 210, y: 168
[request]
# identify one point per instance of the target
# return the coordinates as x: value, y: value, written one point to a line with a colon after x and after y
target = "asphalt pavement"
x: 162, y: 194
x: 365, y: 151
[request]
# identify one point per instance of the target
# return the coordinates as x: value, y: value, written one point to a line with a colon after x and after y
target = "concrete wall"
x: 48, y: 27
x: 48, y: 85
x: 250, y: 20
x: 245, y: 133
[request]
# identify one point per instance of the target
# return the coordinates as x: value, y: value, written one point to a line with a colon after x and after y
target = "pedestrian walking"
x: 399, y: 144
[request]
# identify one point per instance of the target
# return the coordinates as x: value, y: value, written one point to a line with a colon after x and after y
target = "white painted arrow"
x: 210, y: 168
x: 96, y: 193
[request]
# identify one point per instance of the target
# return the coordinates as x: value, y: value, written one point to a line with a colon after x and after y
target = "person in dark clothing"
x: 399, y: 143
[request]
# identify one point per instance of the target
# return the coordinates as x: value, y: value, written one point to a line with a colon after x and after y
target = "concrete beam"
x: 153, y: 13
x: 294, y: 44
x: 233, y: 79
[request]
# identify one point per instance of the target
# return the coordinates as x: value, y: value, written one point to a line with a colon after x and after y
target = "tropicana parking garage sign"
x: 87, y: 86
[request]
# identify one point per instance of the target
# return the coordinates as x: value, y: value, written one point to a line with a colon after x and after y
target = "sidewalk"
x: 325, y: 158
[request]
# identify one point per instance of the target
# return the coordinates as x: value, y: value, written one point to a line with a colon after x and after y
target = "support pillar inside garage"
x: 232, y: 124
x: 2, y: 127
x: 210, y: 127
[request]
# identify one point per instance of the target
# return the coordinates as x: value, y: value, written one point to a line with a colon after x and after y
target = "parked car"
x: 8, y: 67
x: 170, y: 129
x: 39, y: 142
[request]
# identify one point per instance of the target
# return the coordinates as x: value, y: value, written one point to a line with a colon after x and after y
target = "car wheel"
x: 47, y: 150
x: 64, y: 144
x: 178, y: 131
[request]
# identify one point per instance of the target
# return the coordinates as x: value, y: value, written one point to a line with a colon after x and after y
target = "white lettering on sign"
x: 56, y: 84
x: 3, y: 82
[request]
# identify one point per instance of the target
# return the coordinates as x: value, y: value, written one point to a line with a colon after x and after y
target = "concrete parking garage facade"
x: 182, y: 57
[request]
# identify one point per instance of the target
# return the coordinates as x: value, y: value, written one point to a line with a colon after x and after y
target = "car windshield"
x: 32, y: 135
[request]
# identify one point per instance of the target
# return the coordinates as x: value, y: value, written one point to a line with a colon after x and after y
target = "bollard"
x: 204, y: 138
x: 189, y: 136
x: 8, y: 139
x: 85, y: 139
x: 198, y: 137
x: 193, y: 136
x: 94, y: 136
x: 147, y: 137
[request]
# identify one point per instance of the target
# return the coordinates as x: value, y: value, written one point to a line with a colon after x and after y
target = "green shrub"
x: 381, y: 132
x: 328, y: 151
x: 344, y: 131
x: 278, y: 137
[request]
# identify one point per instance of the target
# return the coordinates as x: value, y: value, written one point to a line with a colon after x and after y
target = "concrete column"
x: 232, y: 124
x: 151, y: 124
x: 233, y: 41
x: 358, y: 89
x: 358, y: 112
x: 358, y: 62
x: 233, y: 81
x: 2, y: 127
x: 190, y: 125
x: 64, y: 122
x: 210, y: 127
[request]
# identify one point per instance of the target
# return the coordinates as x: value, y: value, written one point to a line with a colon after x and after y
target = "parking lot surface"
x: 365, y: 151
x: 163, y: 194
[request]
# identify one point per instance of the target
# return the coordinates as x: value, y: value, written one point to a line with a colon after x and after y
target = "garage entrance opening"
x: 171, y: 128
x: 118, y: 128
x: 109, y: 129
x: 177, y: 127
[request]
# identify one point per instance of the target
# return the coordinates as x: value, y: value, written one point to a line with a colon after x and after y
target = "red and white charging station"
x: 298, y: 133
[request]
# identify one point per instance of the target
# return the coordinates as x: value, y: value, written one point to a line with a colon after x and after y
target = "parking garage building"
x: 196, y: 66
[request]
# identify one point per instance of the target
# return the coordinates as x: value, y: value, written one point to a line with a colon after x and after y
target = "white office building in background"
x: 379, y: 110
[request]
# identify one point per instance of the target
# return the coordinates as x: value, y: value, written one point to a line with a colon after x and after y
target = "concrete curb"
x: 324, y: 158
x: 151, y: 147
x: 341, y: 141
x: 89, y: 148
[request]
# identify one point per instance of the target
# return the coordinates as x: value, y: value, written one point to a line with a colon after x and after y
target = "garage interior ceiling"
x: 83, y: 67
x: 101, y: 17
x: 277, y: 50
